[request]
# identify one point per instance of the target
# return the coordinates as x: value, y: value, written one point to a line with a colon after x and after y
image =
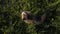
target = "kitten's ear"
x: 43, y: 17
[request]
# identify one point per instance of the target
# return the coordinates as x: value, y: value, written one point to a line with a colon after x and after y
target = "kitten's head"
x: 25, y: 15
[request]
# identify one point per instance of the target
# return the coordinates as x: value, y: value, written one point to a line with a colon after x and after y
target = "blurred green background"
x: 11, y: 22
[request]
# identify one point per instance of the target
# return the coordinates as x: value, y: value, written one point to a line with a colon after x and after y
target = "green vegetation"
x: 10, y: 18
